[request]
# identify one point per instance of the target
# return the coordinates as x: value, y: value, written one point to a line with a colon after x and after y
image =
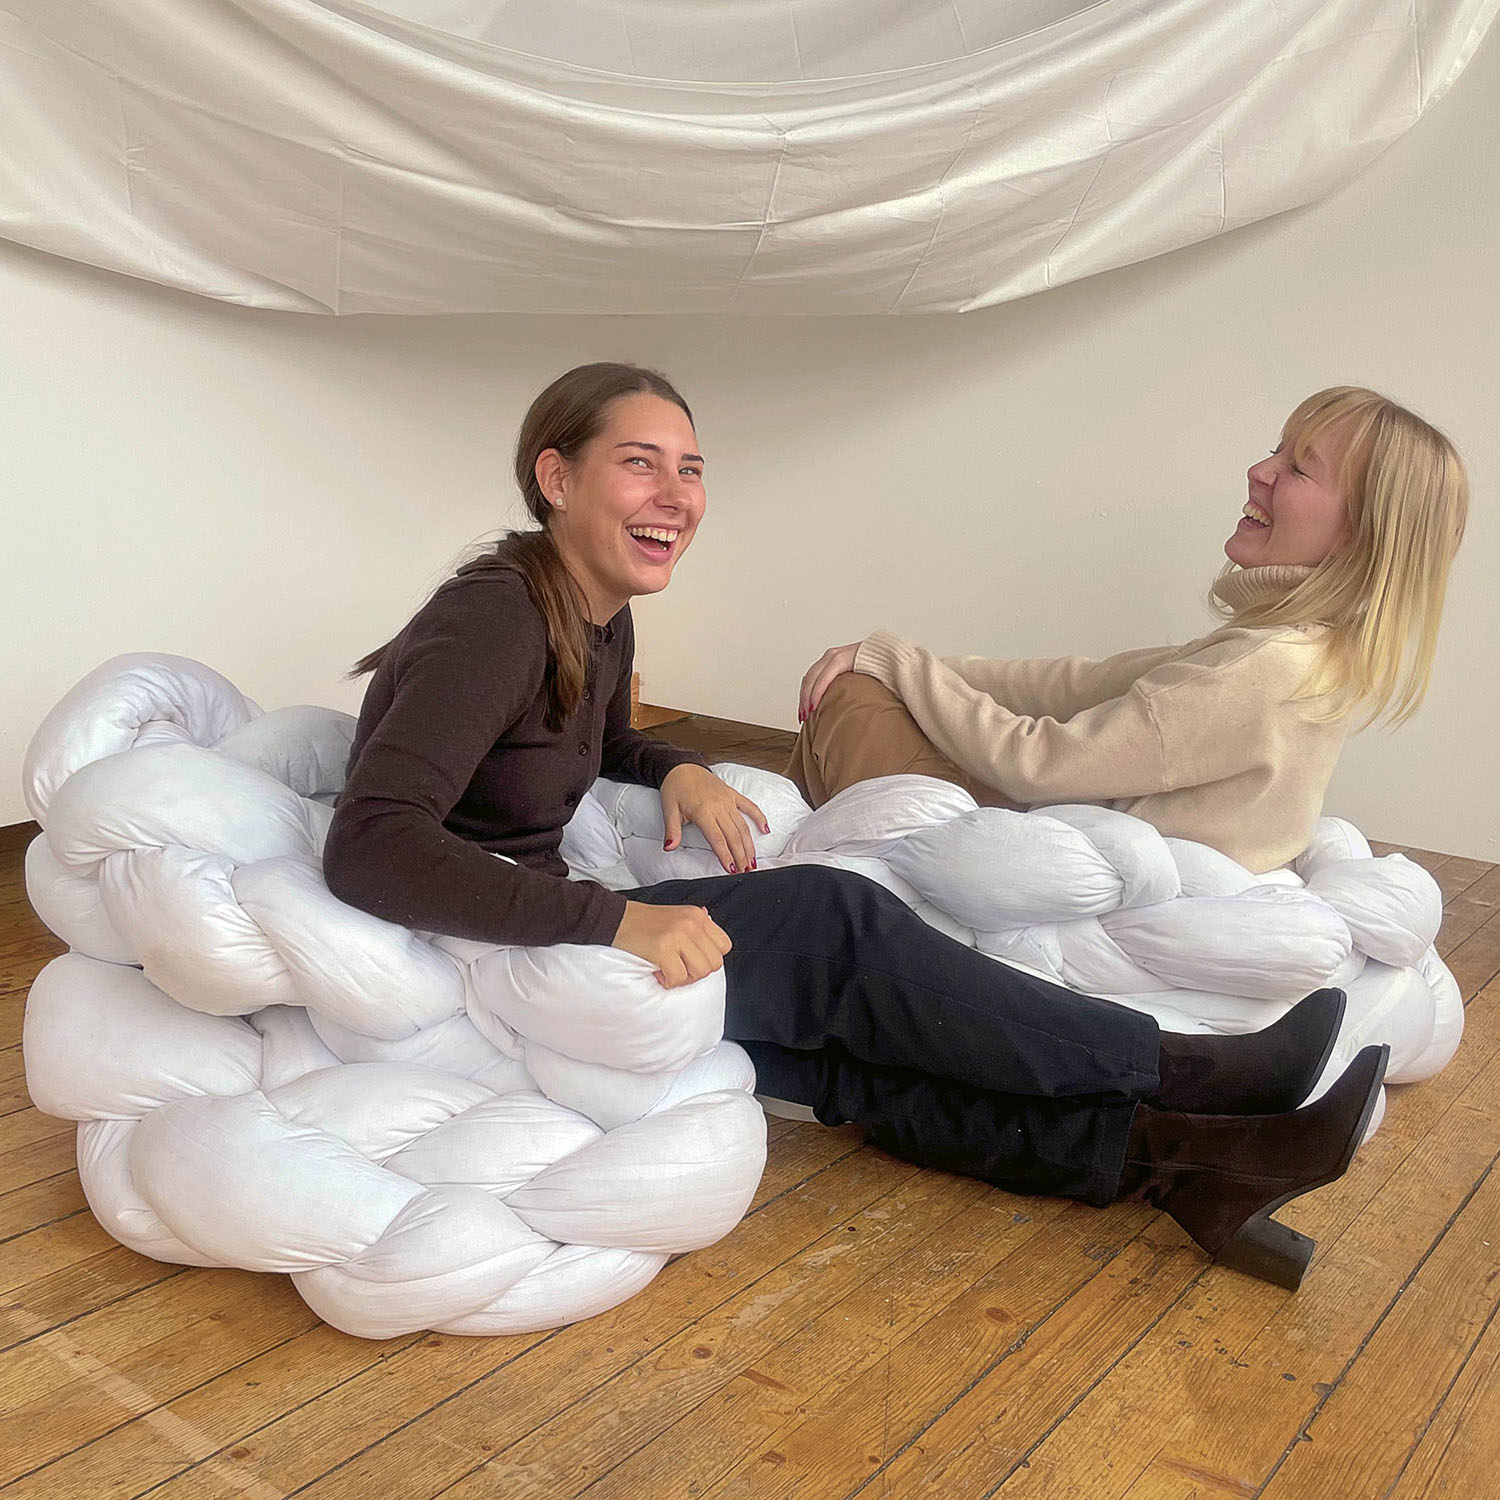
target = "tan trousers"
x: 861, y: 730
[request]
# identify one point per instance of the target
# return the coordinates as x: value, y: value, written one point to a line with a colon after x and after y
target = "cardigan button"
x: 583, y: 749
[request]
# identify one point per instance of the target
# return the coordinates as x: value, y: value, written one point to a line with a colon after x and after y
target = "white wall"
x: 273, y: 494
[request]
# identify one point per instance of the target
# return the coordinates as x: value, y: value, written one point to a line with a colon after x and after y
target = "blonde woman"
x: 1332, y: 598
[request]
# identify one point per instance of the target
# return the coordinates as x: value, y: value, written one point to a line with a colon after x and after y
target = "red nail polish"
x: 755, y: 864
x: 734, y: 869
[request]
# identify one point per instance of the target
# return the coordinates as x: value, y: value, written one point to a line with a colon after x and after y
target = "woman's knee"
x: 860, y: 730
x: 853, y: 694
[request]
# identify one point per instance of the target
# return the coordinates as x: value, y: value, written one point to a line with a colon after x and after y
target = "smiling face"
x: 1296, y: 513
x: 632, y: 498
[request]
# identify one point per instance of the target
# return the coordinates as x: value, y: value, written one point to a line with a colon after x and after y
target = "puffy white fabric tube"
x: 1392, y: 906
x: 1447, y: 1020
x: 73, y: 907
x: 102, y: 1042
x: 128, y: 700
x: 575, y: 1281
x: 429, y: 1132
x: 108, y: 1183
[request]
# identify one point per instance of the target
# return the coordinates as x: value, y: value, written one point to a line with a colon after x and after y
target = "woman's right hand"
x: 684, y: 942
x: 834, y: 662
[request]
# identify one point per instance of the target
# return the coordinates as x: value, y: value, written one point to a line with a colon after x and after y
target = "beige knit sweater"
x: 1201, y: 740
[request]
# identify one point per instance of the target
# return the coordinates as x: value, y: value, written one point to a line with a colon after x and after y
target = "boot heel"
x: 1264, y: 1248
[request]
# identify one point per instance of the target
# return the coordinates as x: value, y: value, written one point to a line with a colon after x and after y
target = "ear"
x: 551, y: 470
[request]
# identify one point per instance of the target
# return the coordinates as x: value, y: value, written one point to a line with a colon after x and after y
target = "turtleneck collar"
x: 1248, y: 587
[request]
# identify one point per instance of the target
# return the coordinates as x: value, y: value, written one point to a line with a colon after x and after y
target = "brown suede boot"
x: 1222, y: 1176
x: 1258, y: 1073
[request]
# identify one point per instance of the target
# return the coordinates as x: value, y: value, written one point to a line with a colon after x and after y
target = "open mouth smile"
x: 1255, y: 517
x: 654, y: 542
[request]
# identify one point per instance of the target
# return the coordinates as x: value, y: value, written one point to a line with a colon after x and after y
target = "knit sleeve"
x: 1187, y: 722
x: 470, y: 664
x: 628, y: 755
x: 1058, y: 686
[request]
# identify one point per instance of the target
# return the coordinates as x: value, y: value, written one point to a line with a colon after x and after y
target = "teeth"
x: 1256, y: 514
x: 656, y: 533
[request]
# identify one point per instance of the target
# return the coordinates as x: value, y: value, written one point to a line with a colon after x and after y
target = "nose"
x: 675, y: 491
x: 1263, y: 472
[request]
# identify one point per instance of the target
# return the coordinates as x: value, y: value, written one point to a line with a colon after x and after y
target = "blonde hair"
x: 1381, y: 592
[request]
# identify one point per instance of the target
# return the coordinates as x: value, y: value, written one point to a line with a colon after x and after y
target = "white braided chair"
x: 425, y: 1133
x: 429, y: 1132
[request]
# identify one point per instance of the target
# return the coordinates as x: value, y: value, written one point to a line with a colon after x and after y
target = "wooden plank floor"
x: 870, y: 1329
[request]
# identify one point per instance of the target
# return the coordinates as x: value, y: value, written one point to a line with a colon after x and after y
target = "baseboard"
x: 650, y: 716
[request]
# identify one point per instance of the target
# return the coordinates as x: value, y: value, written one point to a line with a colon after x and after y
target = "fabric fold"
x: 480, y: 157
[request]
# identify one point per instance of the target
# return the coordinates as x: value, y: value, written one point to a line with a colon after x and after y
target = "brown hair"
x: 565, y: 416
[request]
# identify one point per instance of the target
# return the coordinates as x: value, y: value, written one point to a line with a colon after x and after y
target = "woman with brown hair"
x: 492, y: 711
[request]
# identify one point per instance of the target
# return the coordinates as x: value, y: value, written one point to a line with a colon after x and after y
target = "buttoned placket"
x: 602, y: 636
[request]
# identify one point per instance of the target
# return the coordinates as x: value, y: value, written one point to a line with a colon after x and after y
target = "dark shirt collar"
x: 604, y: 634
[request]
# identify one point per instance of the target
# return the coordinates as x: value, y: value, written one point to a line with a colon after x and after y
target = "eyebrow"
x: 656, y: 448
x: 1311, y: 456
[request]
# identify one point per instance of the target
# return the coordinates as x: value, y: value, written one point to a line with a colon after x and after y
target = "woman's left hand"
x: 693, y: 794
x: 833, y: 663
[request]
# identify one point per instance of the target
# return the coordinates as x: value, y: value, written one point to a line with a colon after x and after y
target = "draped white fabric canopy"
x: 746, y: 156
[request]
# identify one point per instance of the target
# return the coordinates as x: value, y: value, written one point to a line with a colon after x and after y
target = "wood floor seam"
x: 1302, y: 1434
x: 1011, y: 1349
x: 619, y: 1375
x: 172, y: 1273
x: 1094, y: 1385
x: 1458, y: 1374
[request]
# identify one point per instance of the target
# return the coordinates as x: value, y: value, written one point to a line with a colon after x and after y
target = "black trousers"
x: 849, y: 1003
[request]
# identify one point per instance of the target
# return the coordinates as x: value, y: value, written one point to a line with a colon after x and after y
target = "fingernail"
x: 668, y: 844
x: 755, y: 864
x: 734, y: 869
